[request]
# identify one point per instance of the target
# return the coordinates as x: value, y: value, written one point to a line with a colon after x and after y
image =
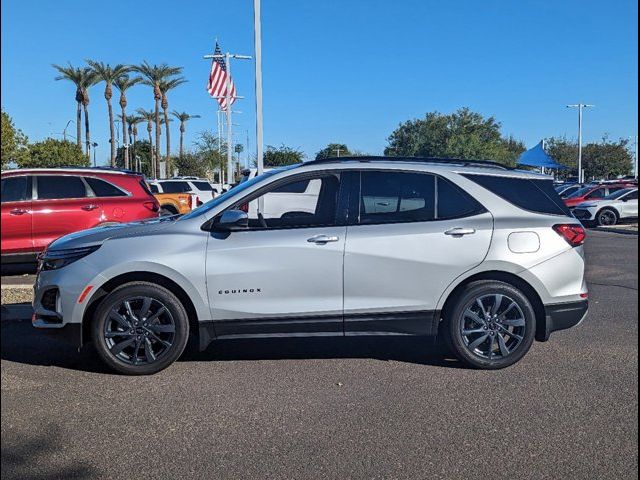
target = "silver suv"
x: 488, y: 258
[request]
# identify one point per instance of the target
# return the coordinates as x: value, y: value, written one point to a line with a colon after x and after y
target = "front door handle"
x: 18, y: 211
x: 323, y: 239
x: 459, y: 232
x: 89, y: 207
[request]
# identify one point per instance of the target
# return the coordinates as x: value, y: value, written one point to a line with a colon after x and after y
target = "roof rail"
x: 444, y: 161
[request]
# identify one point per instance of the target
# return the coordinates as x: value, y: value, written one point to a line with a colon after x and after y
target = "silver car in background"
x: 487, y: 257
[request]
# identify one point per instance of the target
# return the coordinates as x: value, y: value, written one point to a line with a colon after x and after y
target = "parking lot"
x: 338, y: 408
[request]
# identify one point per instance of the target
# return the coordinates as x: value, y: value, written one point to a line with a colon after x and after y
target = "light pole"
x: 257, y: 40
x: 94, y: 145
x: 580, y: 107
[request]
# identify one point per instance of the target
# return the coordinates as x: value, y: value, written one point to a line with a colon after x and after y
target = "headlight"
x: 55, y: 259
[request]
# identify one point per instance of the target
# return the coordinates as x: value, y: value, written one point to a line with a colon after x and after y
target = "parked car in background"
x: 564, y: 190
x: 40, y: 205
x: 487, y: 257
x: 593, y: 192
x: 621, y: 205
x: 176, y: 203
x: 202, y: 188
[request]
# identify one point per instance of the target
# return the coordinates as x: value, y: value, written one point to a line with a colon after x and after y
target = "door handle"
x: 459, y: 232
x: 18, y: 211
x: 322, y: 239
x: 89, y: 207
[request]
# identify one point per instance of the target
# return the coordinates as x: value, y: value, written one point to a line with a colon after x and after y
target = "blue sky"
x: 339, y: 71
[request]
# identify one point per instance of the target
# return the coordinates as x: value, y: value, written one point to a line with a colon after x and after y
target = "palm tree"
x: 154, y: 75
x: 89, y: 81
x: 184, y: 117
x: 149, y: 117
x: 165, y: 86
x: 123, y: 83
x: 78, y: 76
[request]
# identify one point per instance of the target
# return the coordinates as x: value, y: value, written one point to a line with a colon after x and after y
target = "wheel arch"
x: 172, y: 207
x: 141, y: 276
x: 607, y: 207
x: 512, y: 279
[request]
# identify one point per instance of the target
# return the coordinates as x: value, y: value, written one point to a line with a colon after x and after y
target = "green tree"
x: 210, y: 152
x: 51, y: 153
x: 165, y: 86
x: 142, y: 152
x: 607, y: 159
x: 14, y: 142
x: 103, y: 72
x: 463, y: 134
x: 191, y: 164
x: 124, y: 83
x: 80, y: 78
x: 281, y: 156
x: 183, y: 117
x: 149, y: 117
x: 333, y: 150
x: 154, y: 75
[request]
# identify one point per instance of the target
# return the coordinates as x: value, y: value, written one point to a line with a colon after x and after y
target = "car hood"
x: 98, y: 235
x: 595, y: 203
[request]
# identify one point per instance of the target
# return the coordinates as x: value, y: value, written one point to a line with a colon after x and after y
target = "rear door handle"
x: 459, y: 232
x: 18, y: 211
x: 322, y: 239
x: 89, y: 207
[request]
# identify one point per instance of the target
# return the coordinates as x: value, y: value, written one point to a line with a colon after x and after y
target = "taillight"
x: 190, y: 202
x: 244, y: 207
x: 198, y: 202
x: 573, y: 234
x: 153, y: 206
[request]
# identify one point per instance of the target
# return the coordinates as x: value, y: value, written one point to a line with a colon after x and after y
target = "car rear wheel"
x: 607, y: 217
x: 140, y: 328
x: 491, y: 325
x: 167, y: 211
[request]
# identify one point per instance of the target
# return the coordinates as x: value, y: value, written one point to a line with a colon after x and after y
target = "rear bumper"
x: 561, y: 316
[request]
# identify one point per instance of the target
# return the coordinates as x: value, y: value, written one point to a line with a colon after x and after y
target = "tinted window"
x: 632, y: 196
x: 16, y: 189
x: 294, y: 187
x: 52, y: 187
x: 104, y: 189
x: 453, y: 202
x: 153, y: 188
x: 315, y: 208
x: 206, y: 186
x: 532, y: 195
x: 598, y: 193
x: 392, y: 197
x: 175, y: 187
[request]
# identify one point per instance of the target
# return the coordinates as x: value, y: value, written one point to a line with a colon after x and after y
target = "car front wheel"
x: 140, y: 328
x: 607, y: 217
x: 491, y: 325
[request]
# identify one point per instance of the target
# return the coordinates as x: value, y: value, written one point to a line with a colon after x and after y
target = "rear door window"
x: 205, y: 186
x: 532, y: 195
x: 453, y: 202
x: 396, y: 197
x: 16, y: 189
x: 55, y: 187
x: 104, y: 189
x: 598, y: 193
x: 175, y: 187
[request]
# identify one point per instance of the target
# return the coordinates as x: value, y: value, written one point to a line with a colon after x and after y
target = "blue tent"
x: 537, y: 157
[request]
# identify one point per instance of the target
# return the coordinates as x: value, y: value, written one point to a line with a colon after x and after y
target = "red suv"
x: 40, y: 205
x: 593, y: 192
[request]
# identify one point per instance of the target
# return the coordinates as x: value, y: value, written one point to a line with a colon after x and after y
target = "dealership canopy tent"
x: 537, y: 157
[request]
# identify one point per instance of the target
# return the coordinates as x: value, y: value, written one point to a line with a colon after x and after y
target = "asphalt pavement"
x: 339, y: 408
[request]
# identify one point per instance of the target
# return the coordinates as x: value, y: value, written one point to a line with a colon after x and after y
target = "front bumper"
x: 583, y: 214
x: 561, y: 316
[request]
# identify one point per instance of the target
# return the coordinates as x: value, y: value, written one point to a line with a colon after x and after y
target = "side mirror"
x: 232, y: 220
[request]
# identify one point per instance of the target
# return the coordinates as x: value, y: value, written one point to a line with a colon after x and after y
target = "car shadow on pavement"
x: 22, y: 343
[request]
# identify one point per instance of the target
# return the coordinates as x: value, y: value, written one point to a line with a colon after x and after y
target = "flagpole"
x: 257, y: 39
x: 229, y: 123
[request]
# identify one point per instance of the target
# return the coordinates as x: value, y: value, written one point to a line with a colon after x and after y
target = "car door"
x: 629, y: 205
x: 16, y: 214
x: 61, y: 205
x: 410, y: 235
x: 283, y: 274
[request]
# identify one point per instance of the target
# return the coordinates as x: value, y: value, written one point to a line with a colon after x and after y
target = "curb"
x: 623, y: 231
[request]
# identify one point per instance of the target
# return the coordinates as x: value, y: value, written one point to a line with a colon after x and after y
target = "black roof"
x: 445, y: 161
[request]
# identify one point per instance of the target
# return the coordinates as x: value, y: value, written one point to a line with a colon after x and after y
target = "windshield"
x: 619, y: 193
x: 233, y: 192
x: 580, y: 193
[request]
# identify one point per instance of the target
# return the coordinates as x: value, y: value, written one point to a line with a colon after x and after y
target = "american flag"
x: 217, y: 86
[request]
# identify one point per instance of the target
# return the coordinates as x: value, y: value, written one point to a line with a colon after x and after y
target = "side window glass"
x: 599, y: 193
x: 315, y: 207
x: 453, y: 202
x: 395, y: 197
x: 52, y: 187
x: 104, y: 189
x: 632, y: 196
x: 16, y: 189
x: 175, y: 187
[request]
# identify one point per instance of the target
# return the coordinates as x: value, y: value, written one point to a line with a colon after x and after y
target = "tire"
x: 607, y: 217
x: 134, y: 342
x: 167, y: 211
x: 487, y: 343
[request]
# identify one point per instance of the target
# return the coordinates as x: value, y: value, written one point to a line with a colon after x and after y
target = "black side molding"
x: 561, y: 316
